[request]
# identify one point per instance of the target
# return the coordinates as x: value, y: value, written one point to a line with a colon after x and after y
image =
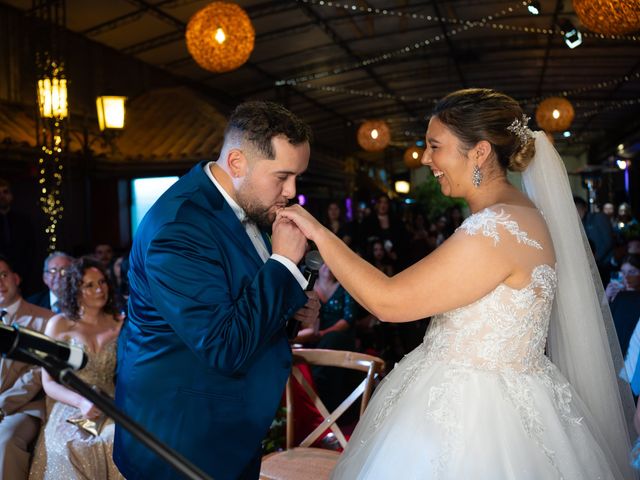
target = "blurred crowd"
x: 83, y: 300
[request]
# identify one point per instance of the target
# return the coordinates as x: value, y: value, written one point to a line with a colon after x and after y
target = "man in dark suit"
x: 203, y: 357
x: 21, y: 397
x: 54, y: 268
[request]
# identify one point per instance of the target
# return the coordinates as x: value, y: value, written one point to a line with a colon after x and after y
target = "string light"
x: 528, y: 101
x: 484, y: 21
x: 465, y: 25
x: 50, y: 169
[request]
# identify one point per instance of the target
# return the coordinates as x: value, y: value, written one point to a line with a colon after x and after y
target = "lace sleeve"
x: 487, y: 222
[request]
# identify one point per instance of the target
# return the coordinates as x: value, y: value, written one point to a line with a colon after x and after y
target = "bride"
x: 480, y: 398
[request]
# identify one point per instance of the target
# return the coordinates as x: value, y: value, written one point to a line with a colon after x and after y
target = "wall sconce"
x: 111, y: 112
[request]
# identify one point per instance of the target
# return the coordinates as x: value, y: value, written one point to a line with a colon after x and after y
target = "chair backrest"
x: 370, y: 365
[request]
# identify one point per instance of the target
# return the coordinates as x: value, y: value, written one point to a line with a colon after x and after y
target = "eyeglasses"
x: 56, y: 271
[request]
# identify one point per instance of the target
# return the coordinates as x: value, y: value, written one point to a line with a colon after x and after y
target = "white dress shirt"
x: 53, y: 300
x: 254, y: 232
x: 11, y: 312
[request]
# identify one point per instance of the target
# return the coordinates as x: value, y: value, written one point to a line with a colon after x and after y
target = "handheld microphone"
x: 312, y: 263
x: 15, y: 340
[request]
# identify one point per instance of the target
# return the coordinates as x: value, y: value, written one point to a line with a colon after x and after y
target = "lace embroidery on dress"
x: 408, y: 377
x: 488, y: 221
x: 439, y: 409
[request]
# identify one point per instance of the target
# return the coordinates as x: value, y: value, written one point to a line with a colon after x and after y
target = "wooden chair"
x: 305, y: 462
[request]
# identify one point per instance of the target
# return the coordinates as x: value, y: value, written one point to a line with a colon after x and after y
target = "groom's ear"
x: 237, y: 163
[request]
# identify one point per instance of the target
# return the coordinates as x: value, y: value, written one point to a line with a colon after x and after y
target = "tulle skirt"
x: 438, y: 420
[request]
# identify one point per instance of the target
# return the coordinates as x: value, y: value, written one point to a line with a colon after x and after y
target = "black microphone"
x: 312, y: 263
x: 15, y: 340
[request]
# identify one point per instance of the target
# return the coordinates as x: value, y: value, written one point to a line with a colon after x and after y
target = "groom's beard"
x: 263, y: 216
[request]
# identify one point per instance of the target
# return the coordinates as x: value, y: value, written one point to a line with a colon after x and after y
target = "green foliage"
x: 275, y: 440
x: 431, y: 200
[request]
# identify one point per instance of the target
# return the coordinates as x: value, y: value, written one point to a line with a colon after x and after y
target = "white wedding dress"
x: 479, y: 399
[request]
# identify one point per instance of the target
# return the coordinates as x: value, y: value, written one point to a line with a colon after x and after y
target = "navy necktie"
x: 3, y: 314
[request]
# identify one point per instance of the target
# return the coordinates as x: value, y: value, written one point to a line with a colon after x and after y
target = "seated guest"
x: 337, y: 314
x: 69, y: 450
x: 629, y: 279
x: 21, y: 398
x: 103, y: 252
x: 54, y: 269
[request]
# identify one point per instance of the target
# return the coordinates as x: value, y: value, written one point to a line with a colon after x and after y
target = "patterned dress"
x: 65, y: 451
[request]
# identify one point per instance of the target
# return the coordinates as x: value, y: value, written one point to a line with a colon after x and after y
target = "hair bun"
x: 521, y: 158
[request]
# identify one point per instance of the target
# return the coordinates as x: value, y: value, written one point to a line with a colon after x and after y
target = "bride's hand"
x: 308, y: 225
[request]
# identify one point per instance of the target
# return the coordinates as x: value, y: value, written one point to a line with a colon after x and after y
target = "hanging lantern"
x: 220, y: 37
x: 374, y: 135
x: 412, y: 157
x: 555, y: 114
x: 52, y: 93
x: 609, y: 17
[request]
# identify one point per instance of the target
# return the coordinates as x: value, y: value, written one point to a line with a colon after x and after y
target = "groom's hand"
x: 287, y: 240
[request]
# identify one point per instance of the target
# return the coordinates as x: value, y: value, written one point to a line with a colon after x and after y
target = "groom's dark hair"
x: 259, y: 121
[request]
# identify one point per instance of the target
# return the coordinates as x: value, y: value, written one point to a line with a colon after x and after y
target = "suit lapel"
x: 223, y: 215
x: 267, y: 241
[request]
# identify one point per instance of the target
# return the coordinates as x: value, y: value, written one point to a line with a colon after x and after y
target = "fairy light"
x: 50, y: 168
x: 464, y: 25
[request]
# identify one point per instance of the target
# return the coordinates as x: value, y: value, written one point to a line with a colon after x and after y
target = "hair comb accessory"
x: 519, y: 127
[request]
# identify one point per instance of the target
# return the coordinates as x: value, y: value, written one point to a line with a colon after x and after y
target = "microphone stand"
x: 63, y: 374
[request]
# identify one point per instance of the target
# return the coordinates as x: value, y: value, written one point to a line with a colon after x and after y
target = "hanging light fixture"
x: 534, y: 7
x: 572, y: 36
x: 609, y: 17
x: 220, y: 37
x: 555, y: 114
x: 111, y: 112
x: 412, y: 157
x: 374, y: 135
x: 52, y: 93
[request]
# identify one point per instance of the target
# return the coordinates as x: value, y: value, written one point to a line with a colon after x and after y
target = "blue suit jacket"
x: 203, y: 356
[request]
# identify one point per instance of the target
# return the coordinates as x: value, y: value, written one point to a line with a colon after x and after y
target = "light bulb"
x: 556, y: 113
x: 220, y: 36
x: 374, y: 133
x: 415, y: 155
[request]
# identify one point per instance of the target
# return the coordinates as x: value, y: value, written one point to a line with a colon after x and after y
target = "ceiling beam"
x: 318, y: 20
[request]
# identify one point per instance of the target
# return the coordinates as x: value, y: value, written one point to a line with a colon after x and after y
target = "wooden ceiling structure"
x: 337, y: 64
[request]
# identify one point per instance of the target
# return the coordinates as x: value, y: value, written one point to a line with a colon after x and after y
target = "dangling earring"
x: 477, y: 176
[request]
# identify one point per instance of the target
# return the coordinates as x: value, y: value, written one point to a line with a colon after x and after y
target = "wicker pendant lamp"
x: 555, y: 114
x: 609, y: 17
x: 220, y: 37
x: 412, y: 157
x: 374, y: 135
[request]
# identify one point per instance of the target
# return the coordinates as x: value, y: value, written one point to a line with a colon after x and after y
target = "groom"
x: 203, y: 357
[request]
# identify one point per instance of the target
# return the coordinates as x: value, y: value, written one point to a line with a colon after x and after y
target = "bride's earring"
x: 477, y: 176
